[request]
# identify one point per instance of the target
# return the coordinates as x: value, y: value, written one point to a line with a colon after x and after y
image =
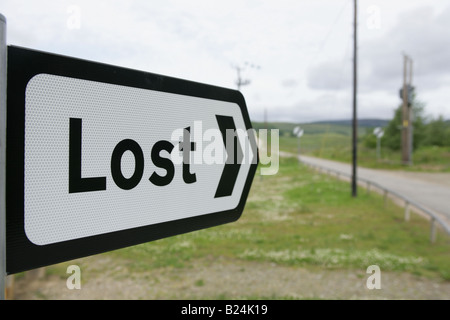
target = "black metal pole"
x: 3, y: 81
x: 355, y: 121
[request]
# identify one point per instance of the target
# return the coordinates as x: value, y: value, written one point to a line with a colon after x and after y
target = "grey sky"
x: 303, y: 47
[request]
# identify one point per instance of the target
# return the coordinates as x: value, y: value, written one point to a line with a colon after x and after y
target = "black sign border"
x: 24, y: 64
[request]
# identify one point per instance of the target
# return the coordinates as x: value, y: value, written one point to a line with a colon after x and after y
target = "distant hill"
x: 343, y: 127
x: 371, y: 123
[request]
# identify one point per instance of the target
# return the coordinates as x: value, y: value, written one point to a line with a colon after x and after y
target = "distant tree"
x: 369, y: 139
x: 393, y: 132
x: 447, y: 134
x: 437, y: 133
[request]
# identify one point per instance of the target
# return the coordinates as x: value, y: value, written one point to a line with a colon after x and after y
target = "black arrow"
x: 235, y: 156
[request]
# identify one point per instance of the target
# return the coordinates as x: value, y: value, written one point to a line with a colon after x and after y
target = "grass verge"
x: 301, y: 218
x: 296, y: 225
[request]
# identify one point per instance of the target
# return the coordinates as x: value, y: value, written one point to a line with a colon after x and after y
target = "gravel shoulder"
x: 228, y: 279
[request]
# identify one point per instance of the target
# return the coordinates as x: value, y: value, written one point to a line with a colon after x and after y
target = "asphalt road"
x: 431, y: 190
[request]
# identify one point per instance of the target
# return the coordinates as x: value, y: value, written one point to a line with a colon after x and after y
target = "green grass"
x: 331, y: 145
x: 334, y: 141
x: 297, y: 218
x: 302, y: 218
x: 336, y: 146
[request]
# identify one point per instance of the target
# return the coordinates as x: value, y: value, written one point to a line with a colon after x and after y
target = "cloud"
x: 421, y: 33
x: 289, y: 83
x: 330, y: 75
x: 202, y: 40
x: 322, y: 106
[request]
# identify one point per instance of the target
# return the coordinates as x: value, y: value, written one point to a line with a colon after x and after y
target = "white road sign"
x: 111, y: 157
x: 298, y: 132
x: 378, y: 132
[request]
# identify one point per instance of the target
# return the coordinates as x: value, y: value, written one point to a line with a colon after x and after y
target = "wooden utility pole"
x: 355, y: 120
x: 407, y: 119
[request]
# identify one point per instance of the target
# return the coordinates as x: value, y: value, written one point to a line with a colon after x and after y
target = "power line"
x: 355, y: 119
x: 325, y: 40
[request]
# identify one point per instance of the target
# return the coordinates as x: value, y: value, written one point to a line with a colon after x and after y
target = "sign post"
x: 298, y: 132
x: 102, y: 157
x: 3, y: 82
x: 379, y: 133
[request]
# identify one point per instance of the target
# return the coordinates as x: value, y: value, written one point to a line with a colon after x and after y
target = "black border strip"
x: 24, y: 64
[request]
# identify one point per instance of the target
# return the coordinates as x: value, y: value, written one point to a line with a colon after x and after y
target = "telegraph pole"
x: 411, y: 113
x: 240, y: 82
x: 243, y: 82
x: 355, y: 120
x: 407, y: 119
